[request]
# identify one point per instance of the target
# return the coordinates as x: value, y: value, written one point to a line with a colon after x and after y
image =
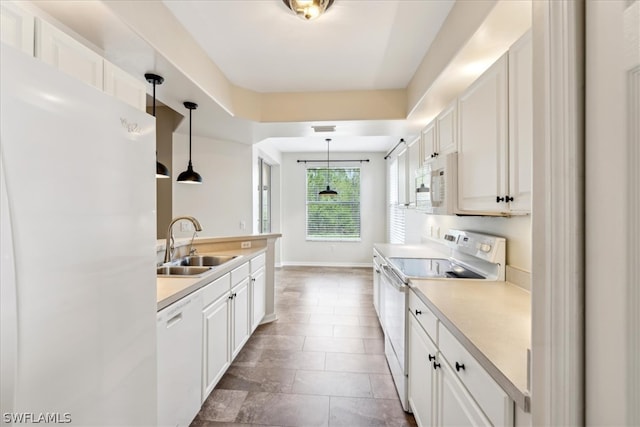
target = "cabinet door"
x: 16, y: 27
x: 376, y: 285
x: 428, y: 141
x: 68, y: 55
x: 414, y: 164
x: 520, y: 124
x: 257, y: 297
x: 240, y: 313
x: 216, y: 343
x: 456, y: 406
x: 482, y: 158
x: 125, y: 87
x: 421, y: 374
x: 447, y: 130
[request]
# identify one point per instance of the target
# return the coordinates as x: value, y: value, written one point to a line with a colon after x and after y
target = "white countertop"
x: 492, y: 320
x: 171, y: 289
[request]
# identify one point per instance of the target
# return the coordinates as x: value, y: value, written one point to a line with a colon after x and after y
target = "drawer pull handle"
x: 431, y: 358
x: 418, y: 312
x: 436, y: 365
x: 459, y: 366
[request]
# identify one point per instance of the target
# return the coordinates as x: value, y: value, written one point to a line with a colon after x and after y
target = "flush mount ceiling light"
x: 190, y: 176
x: 328, y: 191
x: 308, y: 9
x: 161, y: 170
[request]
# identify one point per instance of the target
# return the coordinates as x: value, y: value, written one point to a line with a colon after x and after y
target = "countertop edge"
x: 205, y: 279
x: 183, y: 241
x: 521, y: 398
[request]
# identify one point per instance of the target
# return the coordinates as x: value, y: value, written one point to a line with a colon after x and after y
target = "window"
x: 333, y: 217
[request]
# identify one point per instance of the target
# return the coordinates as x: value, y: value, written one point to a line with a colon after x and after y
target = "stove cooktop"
x: 426, y: 268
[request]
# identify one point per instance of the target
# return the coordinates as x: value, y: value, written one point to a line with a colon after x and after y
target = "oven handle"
x: 393, y: 279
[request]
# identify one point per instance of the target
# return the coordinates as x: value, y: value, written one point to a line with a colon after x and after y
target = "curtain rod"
x: 394, y: 148
x: 333, y: 161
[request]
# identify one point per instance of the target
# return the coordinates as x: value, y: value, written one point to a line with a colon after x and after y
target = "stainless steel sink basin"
x: 206, y: 260
x: 178, y: 270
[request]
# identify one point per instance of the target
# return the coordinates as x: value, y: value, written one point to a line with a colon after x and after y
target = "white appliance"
x: 179, y: 361
x: 77, y: 261
x: 473, y: 256
x: 436, y: 184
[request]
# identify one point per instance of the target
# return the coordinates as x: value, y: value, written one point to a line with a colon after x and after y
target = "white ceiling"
x: 356, y: 45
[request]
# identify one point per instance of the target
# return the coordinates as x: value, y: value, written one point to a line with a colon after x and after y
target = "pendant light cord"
x: 190, y: 111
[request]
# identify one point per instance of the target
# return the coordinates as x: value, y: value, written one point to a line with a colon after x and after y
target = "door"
x: 258, y: 297
x: 216, y: 354
x: 482, y: 158
x: 456, y: 406
x: 422, y: 351
x: 240, y: 311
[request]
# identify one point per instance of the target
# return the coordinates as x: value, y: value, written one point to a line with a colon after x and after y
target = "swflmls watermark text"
x: 36, y: 417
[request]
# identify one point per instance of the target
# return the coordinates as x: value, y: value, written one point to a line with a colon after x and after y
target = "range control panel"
x: 483, y: 246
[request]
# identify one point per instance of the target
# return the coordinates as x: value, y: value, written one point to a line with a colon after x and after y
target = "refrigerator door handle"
x: 8, y: 301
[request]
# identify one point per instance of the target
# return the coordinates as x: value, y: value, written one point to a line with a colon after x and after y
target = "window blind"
x: 396, y: 215
x: 333, y: 217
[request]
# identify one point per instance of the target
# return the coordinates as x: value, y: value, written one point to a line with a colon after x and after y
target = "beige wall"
x: 166, y: 122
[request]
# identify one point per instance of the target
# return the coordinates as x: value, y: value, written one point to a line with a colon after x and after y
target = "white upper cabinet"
x: 520, y: 124
x: 440, y: 136
x: 448, y: 130
x: 16, y: 27
x: 429, y: 146
x: 403, y: 167
x: 482, y: 155
x: 63, y: 52
x: 124, y: 86
x: 414, y: 164
x: 496, y: 136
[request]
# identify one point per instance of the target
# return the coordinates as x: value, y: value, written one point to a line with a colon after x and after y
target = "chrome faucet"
x: 168, y: 252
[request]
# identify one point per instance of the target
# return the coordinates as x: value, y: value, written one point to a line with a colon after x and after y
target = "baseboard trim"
x: 325, y: 264
x: 269, y: 318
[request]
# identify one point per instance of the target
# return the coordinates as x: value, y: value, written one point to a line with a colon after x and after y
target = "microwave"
x: 436, y: 185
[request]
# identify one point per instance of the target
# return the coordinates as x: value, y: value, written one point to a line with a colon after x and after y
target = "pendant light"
x: 328, y: 191
x: 161, y: 170
x: 190, y: 176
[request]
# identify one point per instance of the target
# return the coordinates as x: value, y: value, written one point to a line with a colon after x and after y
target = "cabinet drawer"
x: 487, y: 393
x: 215, y: 289
x: 239, y: 274
x: 425, y: 317
x: 258, y: 262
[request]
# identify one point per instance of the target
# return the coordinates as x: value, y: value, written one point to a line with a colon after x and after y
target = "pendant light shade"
x: 190, y: 176
x: 328, y: 191
x: 161, y: 170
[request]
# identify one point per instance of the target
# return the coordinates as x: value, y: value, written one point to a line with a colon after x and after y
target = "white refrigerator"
x: 77, y: 254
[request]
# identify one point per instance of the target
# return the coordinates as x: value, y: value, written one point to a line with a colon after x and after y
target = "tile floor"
x: 320, y: 364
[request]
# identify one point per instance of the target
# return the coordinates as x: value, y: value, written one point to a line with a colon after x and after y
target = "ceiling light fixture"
x: 308, y: 9
x: 190, y: 176
x: 328, y: 191
x: 161, y: 170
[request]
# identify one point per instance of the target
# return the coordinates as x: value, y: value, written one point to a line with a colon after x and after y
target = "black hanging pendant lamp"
x: 328, y: 191
x: 190, y: 176
x: 161, y: 170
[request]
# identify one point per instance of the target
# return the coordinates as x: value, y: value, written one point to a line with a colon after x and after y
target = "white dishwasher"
x: 179, y: 361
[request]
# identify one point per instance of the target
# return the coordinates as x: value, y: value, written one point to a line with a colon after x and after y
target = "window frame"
x: 308, y: 202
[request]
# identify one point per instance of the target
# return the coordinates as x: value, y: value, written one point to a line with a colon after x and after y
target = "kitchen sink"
x: 206, y: 260
x: 178, y: 270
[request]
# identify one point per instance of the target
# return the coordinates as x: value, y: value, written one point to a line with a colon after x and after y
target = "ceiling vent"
x: 329, y: 128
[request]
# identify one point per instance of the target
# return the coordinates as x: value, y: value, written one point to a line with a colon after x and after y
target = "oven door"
x: 394, y: 303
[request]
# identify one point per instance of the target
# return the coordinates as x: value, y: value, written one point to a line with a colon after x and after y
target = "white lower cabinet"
x: 217, y: 355
x: 457, y: 407
x: 227, y: 318
x: 422, y: 377
x: 240, y: 315
x: 258, y: 290
x: 447, y: 386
